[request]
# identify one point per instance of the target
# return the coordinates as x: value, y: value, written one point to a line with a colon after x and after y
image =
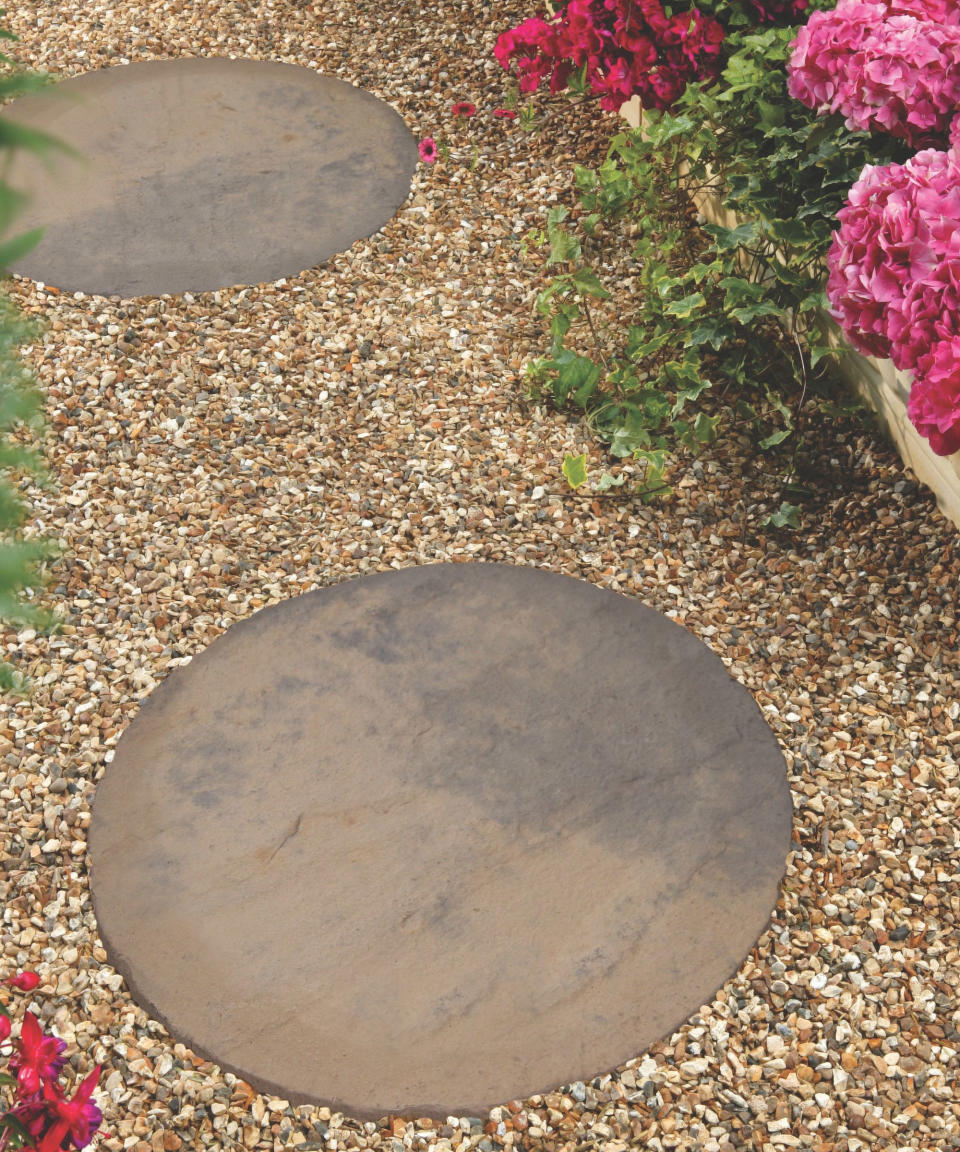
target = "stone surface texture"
x: 195, y: 174
x: 459, y: 809
x: 215, y: 454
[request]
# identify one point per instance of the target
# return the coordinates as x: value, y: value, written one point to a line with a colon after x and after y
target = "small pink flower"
x: 25, y: 981
x: 509, y: 114
x: 428, y: 150
x: 4, y: 1028
x: 464, y: 108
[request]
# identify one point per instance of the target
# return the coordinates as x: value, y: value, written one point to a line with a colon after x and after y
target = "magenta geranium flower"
x: 38, y: 1058
x: 428, y: 150
x: 464, y: 108
x: 625, y: 47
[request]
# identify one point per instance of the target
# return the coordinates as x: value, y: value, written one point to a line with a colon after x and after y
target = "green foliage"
x: 21, y: 559
x: 720, y: 326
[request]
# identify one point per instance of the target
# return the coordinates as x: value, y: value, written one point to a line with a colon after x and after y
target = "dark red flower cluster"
x: 52, y: 1121
x: 627, y: 47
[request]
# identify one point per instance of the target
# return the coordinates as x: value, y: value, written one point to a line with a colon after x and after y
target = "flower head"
x: 894, y: 281
x: 508, y: 114
x: 38, y: 1058
x: 428, y: 150
x: 884, y: 65
x: 4, y: 1026
x: 55, y: 1123
x: 464, y: 108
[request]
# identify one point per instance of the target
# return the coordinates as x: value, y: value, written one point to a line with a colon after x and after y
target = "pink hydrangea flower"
x: 934, y: 403
x: 887, y: 65
x: 894, y: 280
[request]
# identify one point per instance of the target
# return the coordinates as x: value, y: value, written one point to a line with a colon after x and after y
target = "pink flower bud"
x: 25, y: 981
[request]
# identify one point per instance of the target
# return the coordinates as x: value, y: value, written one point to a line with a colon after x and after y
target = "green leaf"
x: 787, y: 515
x: 726, y: 239
x: 575, y: 470
x: 608, y: 481
x: 588, y: 284
x: 686, y: 394
x: 749, y: 312
x: 564, y: 247
x: 19, y: 246
x: 705, y: 428
x: 687, y: 306
x: 575, y: 374
x: 775, y: 438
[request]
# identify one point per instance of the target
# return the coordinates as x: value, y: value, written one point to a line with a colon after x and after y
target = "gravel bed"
x: 215, y: 454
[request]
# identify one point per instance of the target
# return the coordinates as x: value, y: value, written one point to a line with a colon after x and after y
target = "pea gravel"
x: 215, y: 454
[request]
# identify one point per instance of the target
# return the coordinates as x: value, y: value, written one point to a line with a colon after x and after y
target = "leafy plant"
x: 21, y: 559
x: 721, y: 326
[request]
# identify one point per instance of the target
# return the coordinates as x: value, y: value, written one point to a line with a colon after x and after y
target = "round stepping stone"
x: 197, y: 174
x: 430, y: 840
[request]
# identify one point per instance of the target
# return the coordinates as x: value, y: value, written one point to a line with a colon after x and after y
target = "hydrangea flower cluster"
x: 627, y: 47
x: 886, y: 65
x: 894, y: 281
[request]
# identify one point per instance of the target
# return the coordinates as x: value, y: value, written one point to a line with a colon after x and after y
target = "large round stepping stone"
x: 431, y: 840
x: 196, y: 174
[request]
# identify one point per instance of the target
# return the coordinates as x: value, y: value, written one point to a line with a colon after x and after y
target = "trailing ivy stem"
x: 593, y: 332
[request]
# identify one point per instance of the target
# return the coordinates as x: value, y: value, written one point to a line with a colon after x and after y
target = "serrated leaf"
x: 575, y: 470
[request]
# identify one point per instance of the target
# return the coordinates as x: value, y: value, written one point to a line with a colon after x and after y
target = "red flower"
x: 38, y: 1057
x: 509, y: 114
x: 56, y: 1123
x: 4, y: 1026
x: 464, y: 108
x: 428, y: 150
x: 25, y: 981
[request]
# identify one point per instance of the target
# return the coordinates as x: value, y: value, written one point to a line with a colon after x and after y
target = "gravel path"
x: 217, y: 454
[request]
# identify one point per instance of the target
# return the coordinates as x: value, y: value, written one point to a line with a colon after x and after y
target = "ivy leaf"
x: 687, y: 306
x: 575, y: 470
x: 775, y: 438
x: 608, y: 481
x: 588, y: 284
x: 726, y: 239
x: 576, y: 374
x: 787, y: 515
